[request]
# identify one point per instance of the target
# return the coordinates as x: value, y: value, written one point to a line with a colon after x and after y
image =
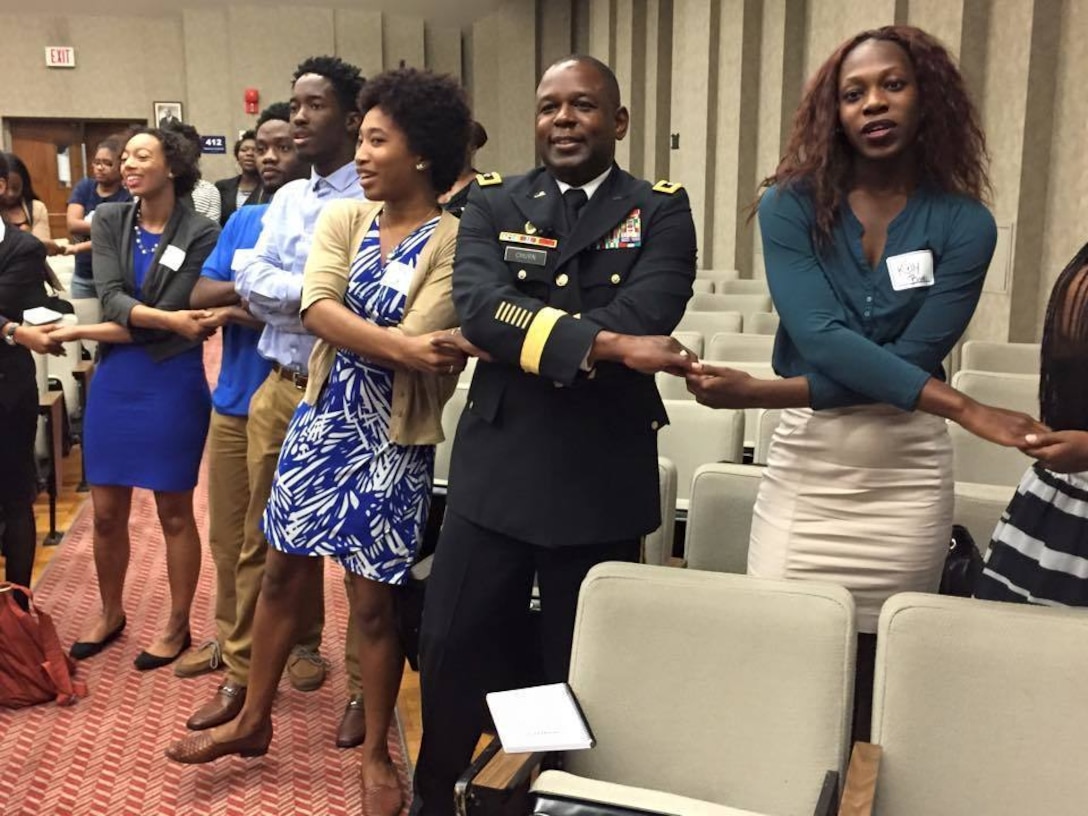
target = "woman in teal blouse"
x: 876, y: 245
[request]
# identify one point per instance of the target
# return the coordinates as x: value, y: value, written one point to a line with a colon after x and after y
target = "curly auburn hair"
x: 950, y: 143
x: 433, y: 112
x: 182, y: 156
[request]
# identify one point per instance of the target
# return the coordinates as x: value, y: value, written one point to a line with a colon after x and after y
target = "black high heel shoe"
x: 145, y: 661
x: 82, y: 649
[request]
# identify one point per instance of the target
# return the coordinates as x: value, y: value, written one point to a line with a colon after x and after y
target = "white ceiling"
x: 460, y: 12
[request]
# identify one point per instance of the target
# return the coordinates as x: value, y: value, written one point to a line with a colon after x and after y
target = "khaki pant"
x: 228, y: 500
x: 270, y: 412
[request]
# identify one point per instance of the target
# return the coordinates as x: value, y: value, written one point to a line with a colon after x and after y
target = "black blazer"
x: 21, y: 288
x: 545, y: 452
x: 228, y: 194
x: 164, y: 288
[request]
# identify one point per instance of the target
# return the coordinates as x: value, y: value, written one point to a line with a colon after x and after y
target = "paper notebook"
x: 41, y: 316
x: 540, y: 718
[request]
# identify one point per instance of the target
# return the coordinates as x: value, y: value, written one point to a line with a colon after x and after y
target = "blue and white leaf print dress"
x: 342, y: 488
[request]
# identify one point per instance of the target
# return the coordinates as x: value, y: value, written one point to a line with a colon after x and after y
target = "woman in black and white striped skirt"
x: 1039, y: 552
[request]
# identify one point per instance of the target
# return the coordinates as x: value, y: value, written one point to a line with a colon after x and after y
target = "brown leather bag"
x: 33, y: 666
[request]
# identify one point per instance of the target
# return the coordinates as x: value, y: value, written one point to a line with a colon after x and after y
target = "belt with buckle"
x: 296, y: 378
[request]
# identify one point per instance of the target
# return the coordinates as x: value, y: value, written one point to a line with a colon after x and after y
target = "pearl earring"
x: 421, y: 166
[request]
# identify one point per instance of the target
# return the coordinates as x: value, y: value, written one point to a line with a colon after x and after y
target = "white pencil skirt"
x: 860, y: 497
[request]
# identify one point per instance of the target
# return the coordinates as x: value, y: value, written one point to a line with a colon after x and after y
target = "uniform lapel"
x: 542, y: 205
x: 604, y: 211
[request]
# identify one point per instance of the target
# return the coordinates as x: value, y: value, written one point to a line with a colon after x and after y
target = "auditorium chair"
x: 745, y: 304
x: 978, y: 508
x: 1017, y: 392
x: 978, y: 708
x: 720, y: 517
x: 761, y: 323
x: 747, y: 286
x: 766, y: 421
x: 692, y: 340
x: 702, y: 286
x: 717, y: 274
x: 1010, y: 358
x: 657, y: 546
x: 708, y: 695
x: 976, y: 460
x: 451, y: 415
x: 697, y: 435
x: 740, y: 348
x: 710, y: 323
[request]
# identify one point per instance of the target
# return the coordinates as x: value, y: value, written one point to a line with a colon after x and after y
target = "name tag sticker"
x: 536, y: 257
x: 911, y: 270
x: 398, y: 276
x: 241, y: 258
x: 172, y: 257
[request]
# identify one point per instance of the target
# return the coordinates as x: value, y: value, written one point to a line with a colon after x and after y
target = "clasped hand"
x: 718, y: 386
x: 440, y: 352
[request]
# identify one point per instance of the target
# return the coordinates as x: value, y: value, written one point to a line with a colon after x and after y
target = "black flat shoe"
x: 145, y: 661
x: 82, y: 649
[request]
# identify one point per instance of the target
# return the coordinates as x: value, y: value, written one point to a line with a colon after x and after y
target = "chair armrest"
x: 828, y: 803
x: 859, y: 790
x: 496, y: 782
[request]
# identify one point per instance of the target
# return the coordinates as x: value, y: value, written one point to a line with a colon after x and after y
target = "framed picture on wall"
x: 167, y: 113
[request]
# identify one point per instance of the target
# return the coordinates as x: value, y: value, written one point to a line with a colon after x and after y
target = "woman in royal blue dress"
x: 355, y: 471
x: 148, y: 406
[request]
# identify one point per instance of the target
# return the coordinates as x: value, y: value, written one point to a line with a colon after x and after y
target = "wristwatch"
x: 9, y: 332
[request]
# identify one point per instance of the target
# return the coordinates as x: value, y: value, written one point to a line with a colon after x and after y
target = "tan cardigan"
x: 417, y: 398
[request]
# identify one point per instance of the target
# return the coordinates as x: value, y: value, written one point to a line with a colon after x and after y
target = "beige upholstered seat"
x: 1017, y: 392
x: 657, y: 546
x: 710, y: 323
x: 761, y: 323
x: 977, y: 460
x: 745, y: 304
x: 766, y: 421
x: 703, y: 286
x: 979, y: 508
x: 740, y: 348
x: 690, y: 339
x: 746, y: 286
x: 697, y: 435
x: 451, y: 415
x: 717, y: 274
x: 979, y: 708
x: 720, y: 517
x: 730, y: 691
x: 1011, y: 358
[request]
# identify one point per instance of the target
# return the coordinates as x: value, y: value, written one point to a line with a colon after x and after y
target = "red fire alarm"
x: 253, y: 100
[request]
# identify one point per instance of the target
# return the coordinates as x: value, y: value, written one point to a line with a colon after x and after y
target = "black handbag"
x: 552, y: 804
x: 962, y: 566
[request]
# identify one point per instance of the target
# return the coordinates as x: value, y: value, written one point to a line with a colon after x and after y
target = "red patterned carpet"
x: 104, y: 756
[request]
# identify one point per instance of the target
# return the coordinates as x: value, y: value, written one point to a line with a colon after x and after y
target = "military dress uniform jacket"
x: 547, y: 452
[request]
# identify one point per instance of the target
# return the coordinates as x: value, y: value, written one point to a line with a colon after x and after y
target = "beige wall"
x: 723, y: 75
x: 204, y: 58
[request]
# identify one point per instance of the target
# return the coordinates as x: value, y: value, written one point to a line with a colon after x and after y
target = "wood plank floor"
x: 69, y: 503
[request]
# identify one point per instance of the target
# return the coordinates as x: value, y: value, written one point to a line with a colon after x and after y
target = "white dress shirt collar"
x: 590, y: 187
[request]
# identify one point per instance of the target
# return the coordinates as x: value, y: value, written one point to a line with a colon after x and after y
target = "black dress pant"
x: 18, y: 478
x: 477, y: 637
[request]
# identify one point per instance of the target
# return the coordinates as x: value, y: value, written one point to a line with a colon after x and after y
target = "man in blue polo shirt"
x: 241, y: 373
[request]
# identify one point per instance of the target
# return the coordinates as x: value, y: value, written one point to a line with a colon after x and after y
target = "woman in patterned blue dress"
x: 354, y: 475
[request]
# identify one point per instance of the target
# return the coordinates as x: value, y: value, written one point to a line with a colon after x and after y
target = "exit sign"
x: 60, y: 56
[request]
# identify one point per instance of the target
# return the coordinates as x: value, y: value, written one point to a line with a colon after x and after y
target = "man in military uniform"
x: 568, y: 281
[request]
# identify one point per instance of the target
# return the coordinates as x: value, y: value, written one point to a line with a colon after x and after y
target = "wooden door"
x: 57, y: 153
x: 52, y: 151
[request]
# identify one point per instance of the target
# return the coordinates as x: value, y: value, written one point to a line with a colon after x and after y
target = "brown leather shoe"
x: 201, y: 748
x: 352, y: 730
x: 223, y: 707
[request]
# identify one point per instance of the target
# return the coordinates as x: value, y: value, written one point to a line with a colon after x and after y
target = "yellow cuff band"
x: 537, y: 337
